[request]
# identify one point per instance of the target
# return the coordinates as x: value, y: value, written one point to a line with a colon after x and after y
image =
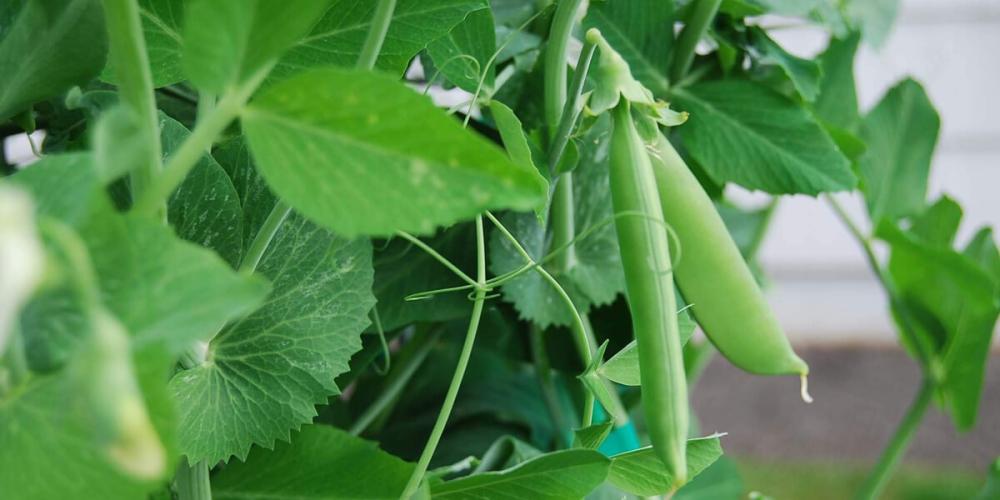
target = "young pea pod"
x: 645, y: 256
x: 713, y: 277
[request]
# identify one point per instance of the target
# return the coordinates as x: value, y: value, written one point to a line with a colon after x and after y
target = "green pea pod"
x: 713, y: 277
x: 645, y: 254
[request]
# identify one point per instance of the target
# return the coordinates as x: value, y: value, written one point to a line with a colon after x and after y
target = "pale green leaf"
x: 463, y: 55
x: 874, y: 18
x: 803, y: 73
x: 360, y: 153
x: 591, y: 438
x: 623, y: 367
x: 568, y: 474
x: 265, y: 373
x: 641, y: 472
x: 337, y: 38
x: 118, y: 143
x: 719, y: 480
x: 744, y: 133
x: 227, y: 42
x: 642, y: 32
x: 51, y: 46
x: 901, y: 132
x: 326, y: 463
x: 163, y: 31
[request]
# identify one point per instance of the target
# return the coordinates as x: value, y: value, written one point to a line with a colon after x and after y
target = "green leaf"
x: 591, y: 379
x: 267, y: 372
x: 744, y: 133
x: 474, y: 38
x: 360, y: 153
x: 719, y: 480
x: 803, y: 73
x: 901, y: 132
x: 591, y: 438
x: 515, y: 140
x: 874, y: 18
x: 118, y: 143
x: 337, y: 38
x: 567, y: 474
x: 205, y: 208
x: 623, y: 367
x: 163, y: 30
x: 326, y: 464
x: 51, y: 46
x: 642, y: 32
x: 837, y: 103
x: 641, y: 473
x: 227, y: 42
x: 938, y: 225
x: 991, y: 491
x: 254, y: 195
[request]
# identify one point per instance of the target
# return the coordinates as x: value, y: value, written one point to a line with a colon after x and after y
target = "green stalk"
x: 563, y: 223
x: 192, y: 481
x: 14, y: 358
x: 399, y: 378
x: 263, y: 239
x: 701, y: 18
x: 135, y: 85
x: 893, y: 453
x: 376, y: 35
x: 463, y: 363
x: 555, y: 59
x: 571, y: 109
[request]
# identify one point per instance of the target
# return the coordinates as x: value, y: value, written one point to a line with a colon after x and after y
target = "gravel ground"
x: 860, y: 396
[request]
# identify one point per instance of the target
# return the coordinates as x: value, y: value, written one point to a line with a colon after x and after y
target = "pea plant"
x: 255, y: 260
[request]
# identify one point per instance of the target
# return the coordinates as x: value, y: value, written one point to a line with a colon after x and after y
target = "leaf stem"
x: 135, y: 84
x: 376, y: 35
x: 192, y: 481
x: 278, y: 214
x: 687, y: 41
x: 398, y: 380
x: 571, y: 109
x: 194, y: 147
x: 463, y: 363
x: 893, y: 453
x: 440, y: 258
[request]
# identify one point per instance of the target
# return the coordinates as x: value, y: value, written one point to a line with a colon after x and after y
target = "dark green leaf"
x: 838, y: 98
x: 337, y: 38
x: 321, y: 463
x: 52, y: 46
x: 744, y: 133
x: 464, y: 53
x: 163, y: 31
x: 640, y: 472
x: 900, y: 132
x: 568, y: 474
x: 227, y: 42
x: 268, y: 371
x: 803, y: 73
x: 642, y: 32
x: 360, y: 153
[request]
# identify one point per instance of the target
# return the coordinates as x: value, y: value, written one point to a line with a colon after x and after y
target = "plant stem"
x: 687, y: 41
x: 926, y: 357
x: 563, y: 223
x: 263, y: 239
x: 135, y: 84
x: 376, y: 35
x: 555, y: 59
x: 194, y: 147
x: 571, y: 109
x: 879, y: 476
x: 14, y: 359
x: 463, y: 363
x: 400, y: 377
x: 192, y: 481
x: 544, y: 373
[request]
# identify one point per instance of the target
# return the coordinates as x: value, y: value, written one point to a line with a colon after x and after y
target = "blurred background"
x: 833, y: 307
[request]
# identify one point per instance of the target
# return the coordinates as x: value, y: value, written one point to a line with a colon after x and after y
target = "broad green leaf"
x: 901, y: 132
x: 641, y: 473
x: 837, y: 103
x: 205, y: 208
x: 642, y: 32
x: 51, y: 46
x: 338, y: 36
x: 227, y: 42
x: 515, y: 140
x: 874, y: 18
x: 591, y: 438
x: 360, y: 153
x: 163, y: 30
x: 803, y: 73
x: 269, y: 370
x: 719, y: 480
x: 938, y: 225
x: 568, y: 474
x: 324, y: 462
x: 623, y: 367
x: 254, y: 195
x: 744, y: 133
x: 118, y: 143
x: 464, y: 53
